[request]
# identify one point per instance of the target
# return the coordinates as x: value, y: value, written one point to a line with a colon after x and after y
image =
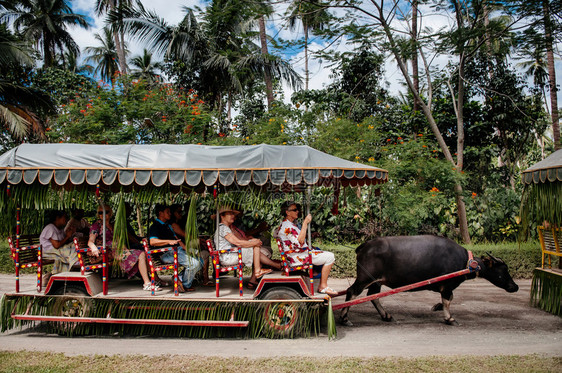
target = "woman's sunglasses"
x: 101, y: 212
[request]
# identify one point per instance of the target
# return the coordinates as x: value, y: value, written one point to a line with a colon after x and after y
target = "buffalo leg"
x: 374, y: 289
x: 447, y: 298
x: 352, y: 293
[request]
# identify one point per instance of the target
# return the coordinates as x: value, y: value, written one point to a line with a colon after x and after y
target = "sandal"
x: 252, y: 285
x: 208, y: 283
x: 148, y: 287
x: 263, y: 272
x: 328, y: 291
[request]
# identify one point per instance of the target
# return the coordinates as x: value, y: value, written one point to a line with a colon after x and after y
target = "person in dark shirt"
x: 162, y: 234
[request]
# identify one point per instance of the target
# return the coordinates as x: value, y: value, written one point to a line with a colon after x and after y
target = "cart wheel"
x: 73, y: 302
x: 280, y: 317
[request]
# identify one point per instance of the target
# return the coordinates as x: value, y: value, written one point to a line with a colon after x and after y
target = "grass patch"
x: 36, y: 362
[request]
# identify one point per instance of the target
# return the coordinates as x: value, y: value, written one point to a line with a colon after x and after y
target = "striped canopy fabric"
x: 181, y: 165
x: 547, y: 170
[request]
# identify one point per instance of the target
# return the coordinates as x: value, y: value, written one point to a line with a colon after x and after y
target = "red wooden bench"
x: 219, y: 268
x: 26, y: 253
x: 287, y: 268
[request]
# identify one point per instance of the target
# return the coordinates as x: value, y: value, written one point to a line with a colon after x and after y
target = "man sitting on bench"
x: 57, y: 244
x: 162, y: 234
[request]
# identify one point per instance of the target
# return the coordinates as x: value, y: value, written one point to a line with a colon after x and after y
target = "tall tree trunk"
x: 461, y: 208
x: 229, y: 107
x: 47, y: 57
x: 551, y: 75
x: 120, y: 54
x: 463, y: 222
x: 488, y: 39
x: 305, y: 55
x: 415, y: 68
x: 123, y: 57
x: 267, y: 72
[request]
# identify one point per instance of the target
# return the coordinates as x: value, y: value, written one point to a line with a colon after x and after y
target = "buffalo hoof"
x: 452, y: 322
x: 387, y: 318
x: 346, y: 322
x: 437, y: 307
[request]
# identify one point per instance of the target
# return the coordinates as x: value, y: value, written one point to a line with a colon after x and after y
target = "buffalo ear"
x: 488, y: 262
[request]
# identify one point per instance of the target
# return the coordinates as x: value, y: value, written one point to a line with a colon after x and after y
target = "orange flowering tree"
x: 132, y: 111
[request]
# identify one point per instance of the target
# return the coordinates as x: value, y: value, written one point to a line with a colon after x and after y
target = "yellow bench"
x: 551, y: 243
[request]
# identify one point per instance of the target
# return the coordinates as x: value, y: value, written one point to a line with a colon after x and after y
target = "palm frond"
x: 16, y: 124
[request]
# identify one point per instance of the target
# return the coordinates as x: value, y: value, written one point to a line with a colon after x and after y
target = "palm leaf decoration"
x: 540, y: 203
x: 191, y: 231
x: 306, y: 318
x: 546, y: 291
x: 120, y: 234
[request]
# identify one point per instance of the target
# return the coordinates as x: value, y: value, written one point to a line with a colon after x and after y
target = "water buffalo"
x: 403, y: 260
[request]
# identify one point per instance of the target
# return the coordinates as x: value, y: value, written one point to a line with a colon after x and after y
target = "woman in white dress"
x: 226, y: 239
x: 294, y: 237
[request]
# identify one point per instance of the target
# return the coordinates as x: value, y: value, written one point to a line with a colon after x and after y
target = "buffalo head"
x: 495, y: 270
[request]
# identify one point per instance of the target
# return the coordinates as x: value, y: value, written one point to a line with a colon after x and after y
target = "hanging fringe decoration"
x: 263, y: 316
x: 546, y: 291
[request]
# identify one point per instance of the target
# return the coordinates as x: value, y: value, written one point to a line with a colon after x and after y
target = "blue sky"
x: 172, y: 12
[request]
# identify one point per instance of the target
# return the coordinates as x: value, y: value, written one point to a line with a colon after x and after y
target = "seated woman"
x: 293, y: 237
x: 132, y: 262
x: 226, y: 239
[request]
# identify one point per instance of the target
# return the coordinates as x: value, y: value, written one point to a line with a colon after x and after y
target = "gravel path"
x: 492, y: 322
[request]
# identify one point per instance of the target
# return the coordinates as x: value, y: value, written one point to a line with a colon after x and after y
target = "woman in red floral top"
x: 294, y: 238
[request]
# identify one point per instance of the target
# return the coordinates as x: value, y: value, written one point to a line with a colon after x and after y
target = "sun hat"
x: 224, y: 209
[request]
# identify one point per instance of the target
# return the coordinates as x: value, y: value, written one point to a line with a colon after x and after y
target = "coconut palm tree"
x: 70, y: 62
x: 145, y: 67
x: 215, y: 50
x: 313, y: 15
x: 117, y: 7
x: 104, y: 56
x: 46, y: 22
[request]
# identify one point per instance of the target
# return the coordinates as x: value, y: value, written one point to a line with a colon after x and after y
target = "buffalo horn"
x: 497, y: 260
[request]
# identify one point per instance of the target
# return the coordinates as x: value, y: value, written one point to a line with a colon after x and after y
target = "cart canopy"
x: 549, y: 169
x: 181, y: 165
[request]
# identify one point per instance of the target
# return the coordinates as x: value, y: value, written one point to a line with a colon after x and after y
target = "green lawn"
x: 37, y: 362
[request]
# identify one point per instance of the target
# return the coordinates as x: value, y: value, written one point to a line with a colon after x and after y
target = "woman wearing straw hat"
x: 226, y: 239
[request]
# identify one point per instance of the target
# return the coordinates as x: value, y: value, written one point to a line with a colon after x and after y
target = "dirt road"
x: 492, y: 322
